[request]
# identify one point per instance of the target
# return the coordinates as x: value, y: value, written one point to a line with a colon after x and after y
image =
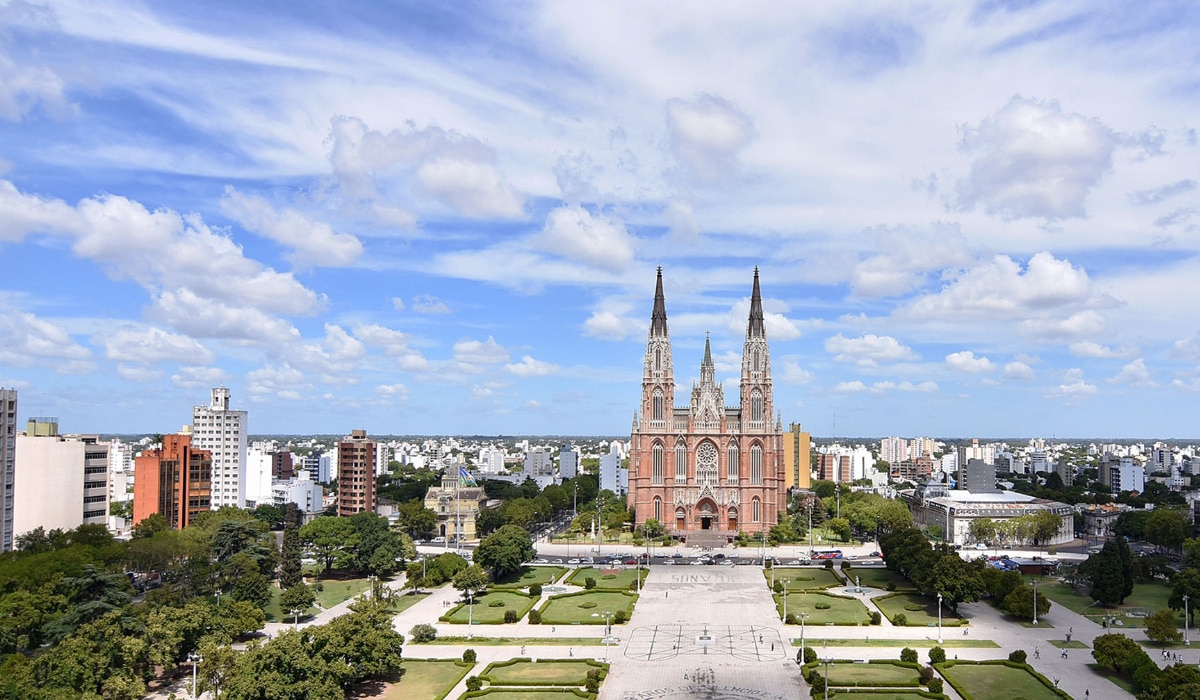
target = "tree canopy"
x: 505, y: 550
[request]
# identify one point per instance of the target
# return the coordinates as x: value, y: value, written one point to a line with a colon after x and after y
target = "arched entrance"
x: 733, y: 518
x: 680, y: 518
x: 706, y: 514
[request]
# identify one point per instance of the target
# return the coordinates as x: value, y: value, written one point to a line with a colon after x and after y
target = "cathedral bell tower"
x: 756, y: 370
x: 658, y: 374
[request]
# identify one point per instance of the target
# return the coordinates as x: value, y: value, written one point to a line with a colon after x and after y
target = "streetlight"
x: 1186, y: 638
x: 785, y: 592
x: 195, y: 659
x: 470, y: 612
x: 295, y: 618
x: 939, y: 618
x: 803, y: 617
x: 827, y: 660
x: 1035, y: 601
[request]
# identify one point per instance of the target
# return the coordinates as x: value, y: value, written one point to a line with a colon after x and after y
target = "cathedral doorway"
x: 708, y: 514
x: 733, y: 521
x: 680, y: 519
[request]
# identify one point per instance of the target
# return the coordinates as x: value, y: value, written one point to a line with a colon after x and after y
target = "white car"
x: 572, y: 561
x: 980, y: 545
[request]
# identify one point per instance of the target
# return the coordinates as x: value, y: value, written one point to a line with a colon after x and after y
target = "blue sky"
x: 414, y: 218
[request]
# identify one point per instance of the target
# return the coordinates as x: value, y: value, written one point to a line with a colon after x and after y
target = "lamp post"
x: 803, y: 617
x: 827, y: 660
x: 1186, y: 638
x: 785, y: 592
x: 1035, y: 601
x: 470, y: 613
x: 195, y: 659
x: 939, y: 618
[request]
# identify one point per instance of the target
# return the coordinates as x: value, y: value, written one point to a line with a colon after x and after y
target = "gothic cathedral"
x: 707, y: 467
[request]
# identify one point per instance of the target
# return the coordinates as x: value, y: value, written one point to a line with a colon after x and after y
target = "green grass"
x: 870, y: 675
x: 805, y: 579
x: 1152, y: 596
x: 927, y: 616
x: 529, y: 575
x: 842, y: 611
x: 879, y: 577
x: 426, y: 678
x: 483, y: 613
x: 1122, y: 682
x: 568, y: 609
x: 529, y: 694
x: 336, y: 591
x: 951, y: 643
x: 985, y: 680
x: 887, y: 694
x: 275, y: 614
x: 523, y: 672
x: 619, y: 580
x: 518, y: 641
x: 402, y: 602
x: 1073, y: 644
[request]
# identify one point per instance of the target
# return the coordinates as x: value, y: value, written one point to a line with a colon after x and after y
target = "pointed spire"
x: 708, y: 361
x: 658, y: 317
x: 756, y: 329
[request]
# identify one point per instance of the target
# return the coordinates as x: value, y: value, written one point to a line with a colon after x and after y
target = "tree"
x: 893, y: 515
x: 290, y: 567
x: 1168, y: 527
x: 1186, y: 582
x: 471, y: 579
x: 151, y: 524
x: 1160, y: 626
x: 1177, y: 682
x: 1131, y: 524
x: 414, y: 519
x: 505, y: 550
x: 90, y: 595
x: 982, y: 530
x: 1044, y: 525
x: 373, y: 548
x: 840, y: 527
x: 325, y: 536
x: 298, y: 598
x: 488, y: 521
x: 653, y: 528
x: 1110, y: 572
x: 1019, y: 603
x: 1115, y: 651
x: 246, y: 582
x: 958, y: 581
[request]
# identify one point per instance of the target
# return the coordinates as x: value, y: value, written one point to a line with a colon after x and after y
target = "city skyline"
x: 968, y: 220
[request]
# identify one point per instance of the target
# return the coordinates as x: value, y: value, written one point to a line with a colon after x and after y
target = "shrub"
x: 589, y: 583
x: 620, y: 617
x: 876, y: 618
x: 608, y: 576
x: 914, y: 607
x: 908, y: 655
x: 926, y: 674
x: 779, y: 586
x: 900, y: 619
x: 823, y: 606
x: 937, y: 655
x: 633, y: 585
x: 1053, y: 550
x: 845, y: 566
x: 422, y: 633
x: 818, y: 685
x: 1018, y: 656
x: 810, y: 655
x: 535, y: 590
x: 592, y: 684
x: 510, y: 615
x: 535, y: 617
x: 790, y: 619
x: 587, y: 605
x: 828, y: 563
x: 474, y: 683
x: 891, y: 586
x: 935, y: 685
x: 469, y: 656
x: 496, y: 604
x: 638, y: 541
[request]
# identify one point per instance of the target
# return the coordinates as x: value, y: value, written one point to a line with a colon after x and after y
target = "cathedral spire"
x: 708, y: 362
x: 756, y: 329
x: 658, y: 317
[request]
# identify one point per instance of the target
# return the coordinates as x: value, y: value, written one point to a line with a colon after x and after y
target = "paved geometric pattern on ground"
x: 743, y: 642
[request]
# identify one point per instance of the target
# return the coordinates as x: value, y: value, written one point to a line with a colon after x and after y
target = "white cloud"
x: 139, y: 373
x: 285, y: 382
x: 26, y: 340
x: 795, y: 374
x: 427, y: 304
x: 474, y: 189
x: 529, y: 367
x: 1033, y: 160
x: 1078, y: 325
x: 965, y: 361
x: 196, y: 377
x: 868, y: 350
x: 313, y: 243
x: 1087, y: 348
x: 393, y: 391
x: 607, y: 325
x: 198, y: 317
x: 1018, y: 371
x: 338, y: 353
x: 574, y: 233
x: 473, y: 355
x: 905, y: 257
x: 25, y: 87
x: 707, y: 134
x: 884, y: 386
x: 1158, y: 194
x: 1074, y: 386
x: 1186, y: 349
x: 850, y: 387
x: 393, y: 343
x: 24, y: 214
x: 1135, y: 374
x: 154, y: 345
x: 397, y: 303
x: 779, y: 327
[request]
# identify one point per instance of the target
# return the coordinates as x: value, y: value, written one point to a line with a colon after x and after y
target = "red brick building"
x: 174, y: 480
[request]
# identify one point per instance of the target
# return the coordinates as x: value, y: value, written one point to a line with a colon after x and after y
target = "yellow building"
x: 456, y: 507
x: 797, y: 458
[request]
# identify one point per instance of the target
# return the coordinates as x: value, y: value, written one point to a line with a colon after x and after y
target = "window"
x: 657, y: 413
x: 656, y: 461
x: 731, y: 471
x: 756, y: 406
x: 681, y: 463
x: 756, y: 464
x: 757, y: 510
x: 658, y: 509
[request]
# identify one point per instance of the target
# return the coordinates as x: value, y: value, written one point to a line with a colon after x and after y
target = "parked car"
x: 980, y: 545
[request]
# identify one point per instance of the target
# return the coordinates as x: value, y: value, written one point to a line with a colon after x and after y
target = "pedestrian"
x: 965, y: 631
x: 772, y: 646
x: 1037, y: 653
x: 551, y: 628
x: 760, y: 639
x: 570, y: 651
x: 668, y: 595
x: 1087, y: 693
x: 522, y: 650
x: 685, y: 675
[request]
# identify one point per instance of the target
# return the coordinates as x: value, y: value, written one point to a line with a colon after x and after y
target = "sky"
x: 970, y: 219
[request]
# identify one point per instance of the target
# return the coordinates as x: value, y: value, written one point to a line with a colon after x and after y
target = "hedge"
x: 1005, y: 662
x: 487, y: 677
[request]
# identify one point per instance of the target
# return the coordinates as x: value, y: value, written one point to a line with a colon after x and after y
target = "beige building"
x: 797, y: 458
x: 456, y: 507
x: 62, y: 479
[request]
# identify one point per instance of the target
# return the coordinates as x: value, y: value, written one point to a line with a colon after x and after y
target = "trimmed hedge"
x: 525, y: 604
x: 528, y: 691
x: 816, y: 670
x: 633, y: 598
x: 466, y: 668
x: 600, y: 667
x: 1026, y: 667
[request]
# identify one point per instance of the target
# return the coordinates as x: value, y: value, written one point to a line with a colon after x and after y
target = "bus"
x: 827, y: 554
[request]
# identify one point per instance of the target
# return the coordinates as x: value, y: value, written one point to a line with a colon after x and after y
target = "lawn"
x: 523, y: 672
x: 1151, y: 596
x: 804, y: 579
x: 607, y: 578
x: 949, y: 643
x: 426, y: 678
x: 984, y: 681
x: 529, y: 575
x: 334, y: 591
x: 484, y: 612
x: 274, y: 614
x: 878, y: 577
x: 925, y: 614
x: 403, y: 601
x: 871, y: 675
x: 841, y: 611
x: 585, y: 608
x: 529, y: 694
x: 887, y: 695
x: 520, y: 641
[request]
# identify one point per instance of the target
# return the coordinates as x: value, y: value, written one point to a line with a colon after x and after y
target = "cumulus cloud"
x: 1018, y: 371
x: 338, y: 353
x: 154, y: 345
x: 27, y: 87
x: 473, y: 355
x: 1135, y: 374
x: 868, y: 350
x: 427, y: 304
x: 1158, y: 194
x: 607, y: 325
x: 1186, y: 349
x: 284, y: 382
x: 457, y: 170
x: 1033, y: 160
x: 794, y: 374
x: 1087, y: 348
x: 26, y: 340
x: 397, y: 303
x: 965, y: 361
x: 24, y: 214
x: 393, y: 391
x: 529, y: 367
x: 707, y: 134
x: 575, y: 233
x: 1074, y: 386
x: 197, y: 377
x: 1078, y: 325
x: 186, y: 311
x: 779, y: 327
x: 881, y: 387
x: 313, y: 243
x: 393, y: 343
x: 905, y: 257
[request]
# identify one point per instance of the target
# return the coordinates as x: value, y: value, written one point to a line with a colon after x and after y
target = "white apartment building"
x: 893, y: 450
x: 491, y: 460
x: 222, y: 431
x: 8, y: 465
x: 539, y: 462
x: 612, y: 476
x: 568, y: 462
x: 1127, y: 476
x: 62, y: 480
x: 258, y: 479
x: 307, y: 495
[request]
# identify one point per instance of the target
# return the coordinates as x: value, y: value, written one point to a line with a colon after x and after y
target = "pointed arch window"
x: 658, y: 359
x: 681, y: 463
x: 756, y: 477
x: 756, y: 406
x: 732, y: 459
x: 658, y: 509
x: 656, y: 463
x: 657, y: 409
x: 757, y: 515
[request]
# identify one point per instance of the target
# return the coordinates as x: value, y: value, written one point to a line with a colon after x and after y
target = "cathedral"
x: 706, y: 467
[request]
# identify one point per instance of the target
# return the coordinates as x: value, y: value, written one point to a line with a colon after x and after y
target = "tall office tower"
x: 8, y: 464
x: 797, y: 458
x: 174, y: 479
x: 356, y: 473
x: 62, y: 480
x: 706, y: 465
x: 222, y: 432
x: 893, y: 450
